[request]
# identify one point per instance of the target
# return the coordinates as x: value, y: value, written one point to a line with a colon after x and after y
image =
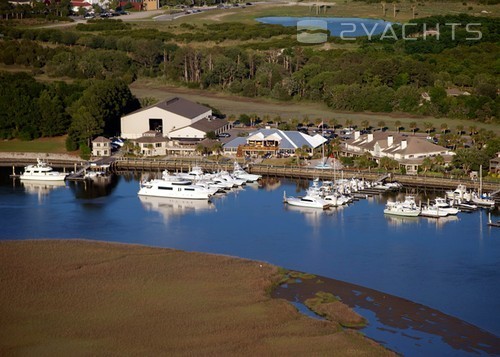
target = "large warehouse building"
x: 163, y: 117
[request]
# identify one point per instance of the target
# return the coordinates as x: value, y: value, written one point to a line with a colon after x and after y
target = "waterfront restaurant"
x: 273, y: 142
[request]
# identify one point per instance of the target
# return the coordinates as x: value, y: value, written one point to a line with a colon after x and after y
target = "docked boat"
x: 406, y: 208
x: 433, y: 211
x: 42, y: 172
x: 174, y: 187
x: 307, y: 201
x: 399, y: 209
x: 239, y: 173
x: 443, y: 205
x: 483, y: 200
x: 459, y: 193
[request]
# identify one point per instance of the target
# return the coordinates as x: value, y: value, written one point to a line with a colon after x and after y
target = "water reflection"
x: 100, y: 187
x: 441, y: 221
x: 314, y: 216
x: 41, y: 188
x: 169, y: 207
x: 398, y: 221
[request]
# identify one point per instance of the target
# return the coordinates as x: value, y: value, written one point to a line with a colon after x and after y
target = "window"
x: 158, y: 145
x: 165, y: 188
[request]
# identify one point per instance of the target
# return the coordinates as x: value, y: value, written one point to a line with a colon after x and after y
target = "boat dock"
x: 419, y: 182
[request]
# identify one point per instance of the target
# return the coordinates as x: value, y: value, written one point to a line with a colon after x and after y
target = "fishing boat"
x: 307, y: 201
x: 239, y: 173
x: 443, y: 205
x: 42, y: 172
x: 433, y: 211
x: 398, y: 209
x: 406, y: 208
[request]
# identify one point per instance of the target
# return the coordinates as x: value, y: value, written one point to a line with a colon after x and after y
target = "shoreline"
x: 61, y: 296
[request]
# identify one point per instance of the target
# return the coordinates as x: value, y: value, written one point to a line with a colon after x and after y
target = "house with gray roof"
x: 409, y: 151
x: 163, y: 117
x: 274, y: 142
x: 101, y: 146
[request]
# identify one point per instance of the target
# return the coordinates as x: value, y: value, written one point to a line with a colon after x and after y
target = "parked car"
x: 224, y: 135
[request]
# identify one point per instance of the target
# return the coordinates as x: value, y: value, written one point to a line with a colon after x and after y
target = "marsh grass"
x: 90, y: 298
x: 328, y: 305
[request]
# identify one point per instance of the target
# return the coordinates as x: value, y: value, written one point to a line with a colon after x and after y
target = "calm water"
x: 337, y: 26
x: 449, y: 265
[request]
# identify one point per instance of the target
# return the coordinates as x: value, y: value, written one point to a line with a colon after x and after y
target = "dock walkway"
x: 296, y: 172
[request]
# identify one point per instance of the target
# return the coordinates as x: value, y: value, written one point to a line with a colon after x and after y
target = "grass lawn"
x: 89, y: 298
x: 45, y: 145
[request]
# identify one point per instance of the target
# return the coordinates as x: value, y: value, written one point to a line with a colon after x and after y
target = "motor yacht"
x: 174, y: 187
x: 42, y: 172
x: 307, y: 201
x: 238, y: 172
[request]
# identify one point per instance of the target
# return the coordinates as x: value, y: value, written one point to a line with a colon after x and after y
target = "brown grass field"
x: 81, y: 298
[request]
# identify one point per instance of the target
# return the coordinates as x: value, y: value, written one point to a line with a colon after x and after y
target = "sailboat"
x: 323, y: 165
x: 479, y: 198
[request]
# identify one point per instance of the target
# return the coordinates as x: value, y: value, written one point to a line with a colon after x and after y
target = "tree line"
x: 378, y: 76
x: 83, y: 109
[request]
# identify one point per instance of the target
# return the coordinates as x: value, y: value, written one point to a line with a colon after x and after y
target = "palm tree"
x: 365, y: 124
x: 348, y: 123
x: 426, y: 164
x: 332, y: 122
x: 444, y: 128
x: 439, y: 161
x: 413, y: 126
x: 460, y: 129
x: 428, y: 127
x: 398, y: 125
x: 381, y: 125
x: 413, y: 7
x: 472, y: 129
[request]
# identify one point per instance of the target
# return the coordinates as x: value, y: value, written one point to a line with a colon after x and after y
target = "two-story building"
x: 101, y: 146
x: 409, y: 151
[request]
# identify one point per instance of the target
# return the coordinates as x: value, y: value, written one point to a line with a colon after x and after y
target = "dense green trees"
x: 29, y: 109
x: 379, y: 76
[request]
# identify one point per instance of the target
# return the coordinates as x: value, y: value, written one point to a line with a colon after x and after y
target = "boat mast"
x: 480, y: 180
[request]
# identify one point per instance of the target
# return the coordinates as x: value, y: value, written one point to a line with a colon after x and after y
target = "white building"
x: 273, y: 141
x: 163, y: 117
x: 409, y: 151
x: 101, y: 146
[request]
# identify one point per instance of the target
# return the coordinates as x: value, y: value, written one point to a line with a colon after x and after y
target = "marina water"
x: 452, y: 265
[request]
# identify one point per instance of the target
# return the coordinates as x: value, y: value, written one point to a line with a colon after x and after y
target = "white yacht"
x: 307, y: 201
x: 433, y: 211
x: 42, y: 172
x: 174, y: 187
x: 238, y: 172
x: 400, y: 209
x: 407, y: 208
x: 443, y: 205
x: 459, y: 193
